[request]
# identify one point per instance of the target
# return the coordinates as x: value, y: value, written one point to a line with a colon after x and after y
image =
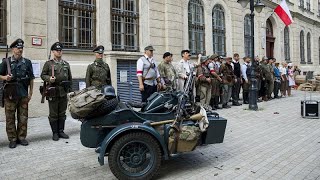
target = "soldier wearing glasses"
x: 148, y: 74
x: 16, y: 94
x: 56, y: 72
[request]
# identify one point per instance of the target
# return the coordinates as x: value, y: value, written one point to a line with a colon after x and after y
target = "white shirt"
x: 244, y: 68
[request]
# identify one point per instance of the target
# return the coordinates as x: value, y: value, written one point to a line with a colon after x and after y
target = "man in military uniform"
x: 98, y: 72
x: 258, y: 73
x: 148, y: 74
x: 215, y: 82
x: 16, y: 94
x: 272, y: 78
x: 228, y: 79
x: 266, y: 77
x: 167, y: 72
x: 204, y: 81
x: 237, y: 85
x: 57, y: 74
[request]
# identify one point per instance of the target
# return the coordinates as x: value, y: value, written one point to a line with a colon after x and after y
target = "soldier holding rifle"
x: 17, y: 74
x: 57, y: 75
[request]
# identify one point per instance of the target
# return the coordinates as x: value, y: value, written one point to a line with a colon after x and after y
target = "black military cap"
x: 18, y: 43
x: 57, y: 46
x: 166, y: 54
x: 99, y: 49
x: 150, y: 48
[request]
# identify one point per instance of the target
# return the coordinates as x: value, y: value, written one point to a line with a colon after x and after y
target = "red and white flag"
x: 283, y: 12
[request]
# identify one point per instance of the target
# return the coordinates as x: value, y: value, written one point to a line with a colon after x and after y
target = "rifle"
x: 43, y: 88
x: 9, y: 73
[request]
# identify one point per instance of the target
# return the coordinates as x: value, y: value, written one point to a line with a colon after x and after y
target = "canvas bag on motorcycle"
x: 82, y: 103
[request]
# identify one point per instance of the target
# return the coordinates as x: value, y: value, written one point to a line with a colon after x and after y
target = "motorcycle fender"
x: 131, y: 127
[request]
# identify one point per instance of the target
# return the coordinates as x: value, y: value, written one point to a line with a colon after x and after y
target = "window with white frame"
x: 247, y: 36
x: 77, y: 27
x: 196, y: 27
x: 308, y: 5
x: 309, y: 47
x: 125, y: 25
x: 219, y: 30
x: 302, y: 47
x: 286, y: 44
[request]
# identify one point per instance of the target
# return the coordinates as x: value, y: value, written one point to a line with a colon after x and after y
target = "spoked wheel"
x: 135, y: 156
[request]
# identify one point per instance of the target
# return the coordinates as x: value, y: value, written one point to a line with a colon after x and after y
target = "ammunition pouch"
x: 167, y: 81
x: 50, y: 92
x: 10, y: 90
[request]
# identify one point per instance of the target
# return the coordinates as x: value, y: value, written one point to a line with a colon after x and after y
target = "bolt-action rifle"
x: 43, y: 88
x: 9, y: 73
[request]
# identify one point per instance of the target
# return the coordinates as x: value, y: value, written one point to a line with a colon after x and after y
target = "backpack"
x: 81, y: 103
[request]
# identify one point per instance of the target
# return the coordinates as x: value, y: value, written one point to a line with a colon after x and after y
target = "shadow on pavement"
x: 41, y: 137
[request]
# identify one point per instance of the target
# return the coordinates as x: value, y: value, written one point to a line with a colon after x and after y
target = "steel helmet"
x: 108, y: 90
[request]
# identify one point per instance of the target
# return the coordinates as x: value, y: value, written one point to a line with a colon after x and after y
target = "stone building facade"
x: 125, y: 27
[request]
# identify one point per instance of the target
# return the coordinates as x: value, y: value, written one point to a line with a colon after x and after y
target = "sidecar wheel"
x: 135, y: 156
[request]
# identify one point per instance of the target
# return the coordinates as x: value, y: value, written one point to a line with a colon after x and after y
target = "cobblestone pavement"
x: 273, y: 143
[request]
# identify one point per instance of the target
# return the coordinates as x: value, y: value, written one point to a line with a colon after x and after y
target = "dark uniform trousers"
x: 57, y: 107
x: 21, y: 105
x: 148, y: 90
x: 236, y: 90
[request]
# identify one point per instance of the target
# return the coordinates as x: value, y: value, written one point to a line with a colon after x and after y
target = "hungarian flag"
x: 283, y: 12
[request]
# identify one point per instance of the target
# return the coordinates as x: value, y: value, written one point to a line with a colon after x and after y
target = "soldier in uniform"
x: 272, y: 78
x: 59, y: 84
x: 258, y: 73
x: 228, y: 79
x: 215, y: 82
x: 204, y: 81
x: 16, y: 94
x: 167, y: 72
x: 237, y: 85
x: 148, y: 74
x: 246, y: 68
x: 98, y: 72
x: 266, y: 77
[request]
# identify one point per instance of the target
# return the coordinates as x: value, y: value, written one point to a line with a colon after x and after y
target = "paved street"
x: 272, y: 143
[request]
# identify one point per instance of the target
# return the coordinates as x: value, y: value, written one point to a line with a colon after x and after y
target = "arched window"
x: 124, y: 26
x: 219, y: 30
x: 309, y: 47
x: 302, y: 47
x: 247, y: 35
x: 196, y: 27
x: 286, y: 44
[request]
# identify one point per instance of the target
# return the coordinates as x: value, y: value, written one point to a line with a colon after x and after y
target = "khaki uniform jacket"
x: 62, y: 72
x: 98, y: 74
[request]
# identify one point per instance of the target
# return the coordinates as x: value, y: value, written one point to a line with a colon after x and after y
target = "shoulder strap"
x: 143, y: 77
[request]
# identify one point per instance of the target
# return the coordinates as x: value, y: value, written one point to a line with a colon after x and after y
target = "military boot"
x: 245, y: 97
x: 61, y: 129
x: 212, y: 104
x: 54, y: 128
x: 216, y: 102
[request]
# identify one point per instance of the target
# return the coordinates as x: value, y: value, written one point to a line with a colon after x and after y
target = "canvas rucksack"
x: 82, y: 103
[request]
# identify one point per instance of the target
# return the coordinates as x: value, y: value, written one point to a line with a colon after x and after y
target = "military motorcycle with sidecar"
x: 136, y: 141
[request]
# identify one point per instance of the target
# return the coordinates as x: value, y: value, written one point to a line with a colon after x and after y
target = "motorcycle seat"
x: 136, y: 104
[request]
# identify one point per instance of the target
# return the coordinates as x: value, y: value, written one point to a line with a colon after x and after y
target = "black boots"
x: 61, y: 129
x: 216, y: 102
x: 245, y: 97
x: 54, y: 128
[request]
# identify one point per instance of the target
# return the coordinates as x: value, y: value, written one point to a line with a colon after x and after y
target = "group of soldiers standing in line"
x: 17, y: 73
x: 218, y: 80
